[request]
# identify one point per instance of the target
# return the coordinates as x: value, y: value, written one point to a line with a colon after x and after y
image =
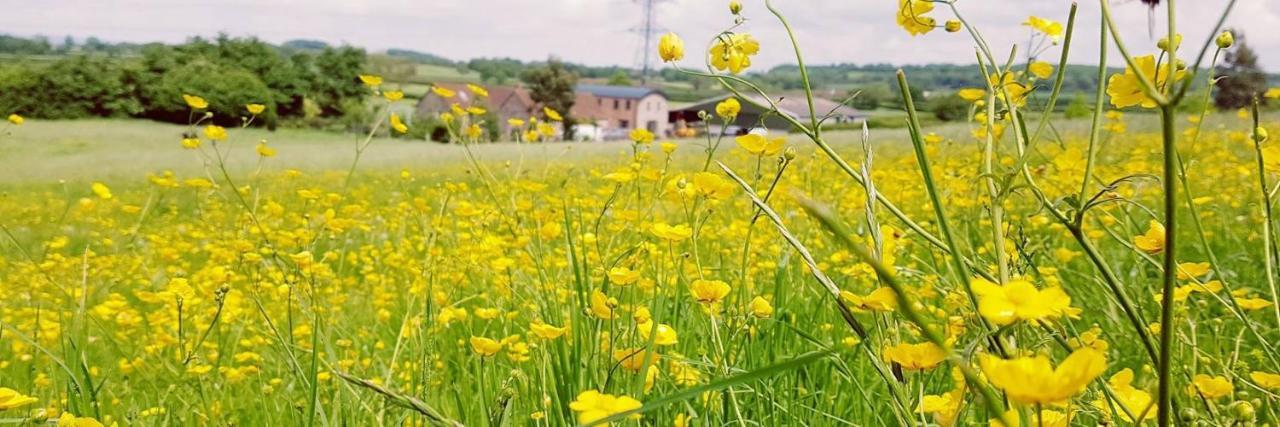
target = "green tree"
x: 1242, y: 79
x: 870, y: 97
x: 336, y: 78
x: 620, y: 78
x: 1078, y: 108
x: 228, y: 89
x: 949, y: 107
x: 552, y: 86
x: 74, y: 87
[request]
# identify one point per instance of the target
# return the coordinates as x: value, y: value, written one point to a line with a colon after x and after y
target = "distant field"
x: 81, y: 150
x: 432, y: 73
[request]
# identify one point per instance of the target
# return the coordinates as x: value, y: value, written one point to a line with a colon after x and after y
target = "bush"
x: 1078, y: 108
x: 72, y: 88
x: 949, y: 108
x: 227, y: 89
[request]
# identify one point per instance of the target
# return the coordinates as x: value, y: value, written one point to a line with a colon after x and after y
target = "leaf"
x: 692, y: 392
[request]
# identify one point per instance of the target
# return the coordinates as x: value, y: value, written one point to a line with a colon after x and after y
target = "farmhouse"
x: 610, y: 111
x: 756, y: 113
x: 616, y: 110
x: 505, y: 102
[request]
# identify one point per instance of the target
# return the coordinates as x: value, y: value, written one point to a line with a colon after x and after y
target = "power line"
x: 647, y: 29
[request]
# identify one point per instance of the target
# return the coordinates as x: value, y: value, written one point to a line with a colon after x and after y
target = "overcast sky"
x: 598, y: 32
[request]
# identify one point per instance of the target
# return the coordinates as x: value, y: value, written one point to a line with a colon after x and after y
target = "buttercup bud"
x: 735, y: 7
x: 1225, y: 40
x: 952, y: 26
x: 1242, y: 411
x: 1260, y: 134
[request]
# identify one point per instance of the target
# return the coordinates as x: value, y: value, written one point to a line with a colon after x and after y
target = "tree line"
x: 315, y: 86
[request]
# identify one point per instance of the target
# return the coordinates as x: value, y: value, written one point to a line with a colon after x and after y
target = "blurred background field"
x: 126, y: 150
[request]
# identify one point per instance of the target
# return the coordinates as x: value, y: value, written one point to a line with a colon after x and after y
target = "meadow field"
x: 1014, y: 268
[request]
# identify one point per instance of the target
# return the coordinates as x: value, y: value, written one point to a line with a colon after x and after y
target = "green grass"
x: 102, y: 149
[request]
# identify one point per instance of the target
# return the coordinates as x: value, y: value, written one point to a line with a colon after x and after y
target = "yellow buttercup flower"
x: 733, y: 52
x: 1048, y: 27
x: 760, y: 308
x: 265, y: 151
x: 545, y: 331
x: 552, y: 115
x: 16, y: 119
x: 1040, y: 69
x: 1126, y: 89
x: 10, y: 399
x: 1007, y: 86
x: 67, y: 419
x: 1251, y: 304
x: 881, y: 299
x: 672, y: 233
x: 191, y: 143
x: 728, y: 109
x: 485, y: 346
x: 443, y: 92
x: 474, y: 131
x: 709, y: 291
x: 1190, y: 270
x: 593, y: 406
x: 393, y: 95
x: 1128, y: 399
x: 915, y: 357
x: 664, y: 336
x: 397, y: 124
x: 1019, y: 300
x: 1266, y: 380
x: 911, y: 16
x: 946, y: 407
x: 670, y: 47
x: 215, y: 132
x: 1211, y: 387
x: 515, y: 123
x: 1034, y: 380
x: 479, y: 91
x: 370, y: 80
x: 1152, y: 241
x: 641, y: 136
x: 255, y: 109
x: 195, y: 102
x: 1039, y: 418
x: 602, y: 306
x: 101, y: 190
x: 760, y: 145
x: 622, y: 276
x: 972, y: 94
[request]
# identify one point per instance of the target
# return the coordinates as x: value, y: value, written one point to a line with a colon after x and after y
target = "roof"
x: 797, y: 107
x: 625, y: 92
x: 498, y: 95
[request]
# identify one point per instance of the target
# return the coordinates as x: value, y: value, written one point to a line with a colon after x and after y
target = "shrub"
x: 227, y: 89
x: 75, y: 87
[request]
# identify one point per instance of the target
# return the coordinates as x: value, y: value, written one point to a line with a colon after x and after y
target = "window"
x: 628, y: 104
x: 615, y: 104
x: 624, y: 124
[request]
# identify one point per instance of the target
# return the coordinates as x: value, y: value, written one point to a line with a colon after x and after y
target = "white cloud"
x: 598, y: 31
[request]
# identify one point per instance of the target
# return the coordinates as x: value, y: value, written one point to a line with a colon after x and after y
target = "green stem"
x: 1167, y: 117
